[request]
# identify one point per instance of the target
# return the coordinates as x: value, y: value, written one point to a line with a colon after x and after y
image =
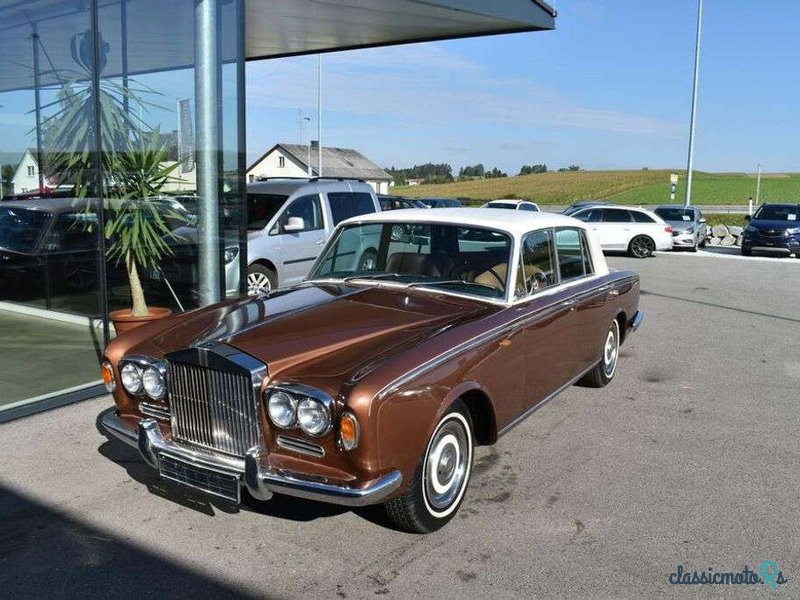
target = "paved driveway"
x: 690, y: 456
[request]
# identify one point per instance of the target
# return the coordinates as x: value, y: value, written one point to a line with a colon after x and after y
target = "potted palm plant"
x: 134, y: 167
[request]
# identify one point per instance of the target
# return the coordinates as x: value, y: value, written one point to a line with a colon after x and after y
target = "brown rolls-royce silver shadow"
x: 416, y: 336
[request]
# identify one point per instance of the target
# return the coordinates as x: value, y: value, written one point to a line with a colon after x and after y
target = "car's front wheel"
x: 260, y: 280
x: 435, y: 493
x: 603, y: 372
x: 641, y: 246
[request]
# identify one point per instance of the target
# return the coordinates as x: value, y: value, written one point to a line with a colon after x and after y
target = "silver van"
x: 289, y: 220
x: 288, y: 223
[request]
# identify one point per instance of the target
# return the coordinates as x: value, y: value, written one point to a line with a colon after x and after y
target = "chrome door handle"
x: 613, y: 293
x: 570, y: 304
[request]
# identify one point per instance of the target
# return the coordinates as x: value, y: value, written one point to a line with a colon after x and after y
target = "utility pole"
x: 758, y: 186
x: 319, y: 115
x: 695, y: 82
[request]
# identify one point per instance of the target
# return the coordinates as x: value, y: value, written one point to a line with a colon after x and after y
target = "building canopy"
x: 273, y: 28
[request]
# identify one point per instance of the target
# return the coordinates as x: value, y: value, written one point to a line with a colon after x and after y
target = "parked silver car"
x: 688, y: 225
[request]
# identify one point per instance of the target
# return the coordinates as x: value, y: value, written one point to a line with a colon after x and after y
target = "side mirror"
x: 293, y: 224
x: 747, y: 218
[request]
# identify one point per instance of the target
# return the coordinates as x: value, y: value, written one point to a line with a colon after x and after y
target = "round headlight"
x: 131, y: 376
x: 282, y: 409
x: 313, y: 417
x: 153, y: 382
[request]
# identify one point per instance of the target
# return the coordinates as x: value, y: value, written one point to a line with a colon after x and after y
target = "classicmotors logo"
x: 767, y: 573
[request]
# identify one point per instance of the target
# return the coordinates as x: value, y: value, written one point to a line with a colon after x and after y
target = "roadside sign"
x: 673, y: 185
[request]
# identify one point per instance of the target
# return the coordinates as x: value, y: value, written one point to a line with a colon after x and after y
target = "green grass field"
x: 625, y: 187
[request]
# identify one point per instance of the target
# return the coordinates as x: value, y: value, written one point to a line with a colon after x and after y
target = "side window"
x: 349, y: 204
x: 616, y: 215
x: 306, y: 208
x: 641, y: 217
x: 537, y: 269
x: 569, y: 245
x: 594, y: 215
x: 74, y: 231
x: 528, y: 207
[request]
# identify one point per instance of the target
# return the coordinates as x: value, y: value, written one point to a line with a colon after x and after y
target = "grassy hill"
x: 625, y: 187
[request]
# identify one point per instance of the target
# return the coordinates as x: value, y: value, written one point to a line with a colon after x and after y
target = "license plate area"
x: 209, y: 481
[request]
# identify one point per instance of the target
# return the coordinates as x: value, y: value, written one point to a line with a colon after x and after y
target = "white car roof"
x: 515, y: 223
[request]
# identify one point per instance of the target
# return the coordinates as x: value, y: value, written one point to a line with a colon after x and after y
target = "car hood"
x: 771, y: 224
x: 322, y: 331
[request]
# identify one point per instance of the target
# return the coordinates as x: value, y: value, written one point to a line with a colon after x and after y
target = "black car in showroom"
x: 774, y: 229
x: 49, y: 252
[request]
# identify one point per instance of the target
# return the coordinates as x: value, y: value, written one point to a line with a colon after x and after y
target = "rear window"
x: 349, y: 204
x: 641, y: 217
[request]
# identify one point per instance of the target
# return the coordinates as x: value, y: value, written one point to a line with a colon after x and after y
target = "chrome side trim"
x: 254, y: 472
x: 301, y: 446
x: 483, y: 338
x: 540, y: 404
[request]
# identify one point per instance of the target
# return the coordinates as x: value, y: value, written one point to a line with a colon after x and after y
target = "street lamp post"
x: 690, y: 160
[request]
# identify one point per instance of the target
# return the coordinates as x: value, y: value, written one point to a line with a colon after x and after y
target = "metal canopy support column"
x: 207, y: 102
x: 37, y: 106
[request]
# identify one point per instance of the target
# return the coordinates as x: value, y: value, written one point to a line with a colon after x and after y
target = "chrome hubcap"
x: 446, y: 465
x: 258, y: 283
x: 610, y: 352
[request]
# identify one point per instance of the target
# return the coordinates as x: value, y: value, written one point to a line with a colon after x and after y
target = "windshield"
x: 467, y: 260
x: 501, y: 205
x: 676, y: 214
x: 20, y: 228
x: 262, y: 207
x: 778, y: 212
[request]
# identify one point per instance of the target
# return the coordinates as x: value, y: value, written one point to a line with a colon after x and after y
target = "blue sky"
x: 609, y: 88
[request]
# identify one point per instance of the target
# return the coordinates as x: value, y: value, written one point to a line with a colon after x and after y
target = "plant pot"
x: 124, y: 321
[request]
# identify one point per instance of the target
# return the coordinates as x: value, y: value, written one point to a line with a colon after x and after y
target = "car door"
x: 616, y: 228
x: 299, y: 249
x: 594, y: 218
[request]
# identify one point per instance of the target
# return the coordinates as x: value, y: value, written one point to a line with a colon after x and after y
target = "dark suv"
x: 774, y: 228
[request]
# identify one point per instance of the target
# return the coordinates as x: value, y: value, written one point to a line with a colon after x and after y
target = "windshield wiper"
x: 347, y: 280
x: 450, y: 282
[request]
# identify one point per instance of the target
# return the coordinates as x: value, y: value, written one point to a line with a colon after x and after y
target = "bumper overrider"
x: 205, y: 470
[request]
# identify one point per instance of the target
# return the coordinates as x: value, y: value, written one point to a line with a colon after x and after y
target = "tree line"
x: 443, y: 173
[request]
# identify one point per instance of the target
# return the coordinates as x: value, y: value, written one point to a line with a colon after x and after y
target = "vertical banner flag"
x: 185, y: 136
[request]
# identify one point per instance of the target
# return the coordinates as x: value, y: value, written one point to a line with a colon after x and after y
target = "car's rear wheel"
x: 260, y: 280
x: 746, y: 251
x: 603, y: 372
x: 437, y: 489
x: 641, y: 246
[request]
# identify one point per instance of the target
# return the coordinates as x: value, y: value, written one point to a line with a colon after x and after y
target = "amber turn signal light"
x: 348, y: 431
x: 107, y: 373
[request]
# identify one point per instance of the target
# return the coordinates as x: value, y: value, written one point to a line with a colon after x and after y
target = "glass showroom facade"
x: 122, y: 154
x: 122, y: 149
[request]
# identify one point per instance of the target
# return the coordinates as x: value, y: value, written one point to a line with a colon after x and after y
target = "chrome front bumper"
x: 253, y: 472
x: 636, y: 321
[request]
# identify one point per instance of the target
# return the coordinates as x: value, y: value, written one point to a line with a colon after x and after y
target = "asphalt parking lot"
x: 689, y: 457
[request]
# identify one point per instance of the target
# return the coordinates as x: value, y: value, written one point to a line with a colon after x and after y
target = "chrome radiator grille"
x: 211, y: 408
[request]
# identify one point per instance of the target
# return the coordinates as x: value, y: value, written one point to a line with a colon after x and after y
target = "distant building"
x: 26, y: 176
x: 292, y: 160
x: 413, y: 182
